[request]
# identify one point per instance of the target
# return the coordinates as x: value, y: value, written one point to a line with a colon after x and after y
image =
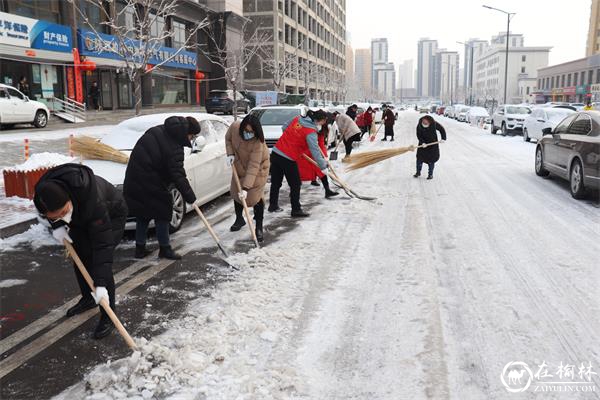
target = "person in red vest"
x: 299, y: 137
x: 364, y: 121
x: 309, y: 172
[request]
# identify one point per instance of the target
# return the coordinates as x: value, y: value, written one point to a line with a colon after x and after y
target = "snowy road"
x: 426, y: 293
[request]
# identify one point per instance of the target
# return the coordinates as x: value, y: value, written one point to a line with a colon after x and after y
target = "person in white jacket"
x: 348, y: 129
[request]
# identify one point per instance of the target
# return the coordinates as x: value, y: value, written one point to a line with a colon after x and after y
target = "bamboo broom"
x: 92, y: 149
x: 367, y: 158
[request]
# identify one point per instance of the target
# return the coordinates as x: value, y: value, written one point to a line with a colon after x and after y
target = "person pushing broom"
x: 427, y: 129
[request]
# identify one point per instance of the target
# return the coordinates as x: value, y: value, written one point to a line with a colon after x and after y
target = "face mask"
x: 424, y: 125
x: 248, y: 135
x: 67, y: 217
x: 319, y: 127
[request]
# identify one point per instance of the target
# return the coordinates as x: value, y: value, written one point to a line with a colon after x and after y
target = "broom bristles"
x: 361, y: 160
x: 92, y: 149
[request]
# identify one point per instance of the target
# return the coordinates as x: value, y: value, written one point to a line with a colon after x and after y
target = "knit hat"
x: 51, y: 196
x: 194, y: 126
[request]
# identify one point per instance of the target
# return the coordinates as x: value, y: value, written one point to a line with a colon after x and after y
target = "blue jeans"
x: 431, y: 166
x: 141, y: 231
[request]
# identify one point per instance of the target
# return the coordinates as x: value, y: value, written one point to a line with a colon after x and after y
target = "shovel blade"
x: 333, y: 156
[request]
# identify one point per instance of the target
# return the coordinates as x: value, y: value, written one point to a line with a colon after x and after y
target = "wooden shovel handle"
x: 236, y: 178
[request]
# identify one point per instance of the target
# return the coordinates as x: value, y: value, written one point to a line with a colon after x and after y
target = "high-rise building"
x: 593, y: 40
x: 349, y: 61
x: 310, y: 34
x: 383, y: 72
x: 447, y: 74
x: 406, y: 74
x: 473, y: 49
x: 427, y: 49
x: 362, y: 71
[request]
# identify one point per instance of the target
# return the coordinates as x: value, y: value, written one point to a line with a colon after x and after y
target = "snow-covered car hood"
x: 113, y: 172
x: 272, y: 132
x: 517, y: 116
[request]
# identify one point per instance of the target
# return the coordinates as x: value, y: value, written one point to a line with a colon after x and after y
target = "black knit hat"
x: 51, y: 196
x: 194, y: 126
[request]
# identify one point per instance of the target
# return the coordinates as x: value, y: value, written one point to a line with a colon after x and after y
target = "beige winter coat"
x: 346, y: 126
x: 251, y: 163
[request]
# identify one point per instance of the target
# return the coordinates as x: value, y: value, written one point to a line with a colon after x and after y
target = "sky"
x: 561, y: 24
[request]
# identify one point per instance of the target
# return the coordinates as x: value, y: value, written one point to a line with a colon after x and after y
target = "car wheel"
x: 494, y: 129
x: 539, y: 163
x: 178, y: 210
x: 41, y: 119
x: 526, y: 137
x: 576, y: 180
x: 504, y: 129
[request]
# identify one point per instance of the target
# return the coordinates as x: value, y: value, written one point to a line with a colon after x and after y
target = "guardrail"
x: 69, y: 110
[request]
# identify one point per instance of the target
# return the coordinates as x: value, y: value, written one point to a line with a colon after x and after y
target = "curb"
x: 16, y: 228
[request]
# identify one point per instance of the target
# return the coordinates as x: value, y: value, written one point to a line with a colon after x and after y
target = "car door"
x: 22, y: 110
x: 7, y: 108
x: 223, y: 177
x: 539, y: 120
x: 571, y: 143
x: 205, y: 166
x: 551, y: 152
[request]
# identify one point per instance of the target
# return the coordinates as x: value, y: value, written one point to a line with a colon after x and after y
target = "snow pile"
x: 40, y: 161
x: 17, y: 202
x: 12, y: 282
x: 37, y: 236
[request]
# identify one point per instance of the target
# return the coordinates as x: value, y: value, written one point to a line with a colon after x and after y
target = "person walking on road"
x: 299, y: 136
x: 89, y: 212
x: 348, y: 129
x: 155, y: 168
x: 427, y: 129
x: 309, y: 172
x: 249, y: 155
x: 389, y: 119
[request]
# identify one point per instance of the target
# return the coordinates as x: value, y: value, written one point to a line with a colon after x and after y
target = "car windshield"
x: 558, y: 114
x: 219, y: 94
x: 517, y: 110
x: 276, y: 116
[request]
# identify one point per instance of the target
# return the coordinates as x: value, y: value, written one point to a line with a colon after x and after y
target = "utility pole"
x: 508, y: 18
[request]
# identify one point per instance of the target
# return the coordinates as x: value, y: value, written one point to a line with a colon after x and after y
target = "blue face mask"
x: 248, y: 135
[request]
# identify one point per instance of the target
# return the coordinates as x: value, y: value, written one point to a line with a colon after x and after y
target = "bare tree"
x: 307, y: 71
x: 138, y: 35
x: 234, y: 54
x: 281, y: 68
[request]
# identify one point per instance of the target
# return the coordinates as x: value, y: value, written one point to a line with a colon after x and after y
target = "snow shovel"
x: 210, y: 230
x: 246, y: 211
x: 334, y: 154
x: 103, y: 303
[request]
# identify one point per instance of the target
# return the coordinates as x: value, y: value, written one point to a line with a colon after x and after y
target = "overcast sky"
x: 562, y: 24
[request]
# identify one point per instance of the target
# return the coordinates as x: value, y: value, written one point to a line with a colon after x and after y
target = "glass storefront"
x: 171, y: 89
x: 124, y: 91
x: 45, y: 81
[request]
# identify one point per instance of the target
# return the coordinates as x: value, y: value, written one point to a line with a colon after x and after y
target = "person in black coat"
x: 156, y: 164
x: 89, y: 212
x: 427, y: 133
x: 352, y: 111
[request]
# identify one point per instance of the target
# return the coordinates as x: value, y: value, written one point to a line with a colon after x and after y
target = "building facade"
x: 309, y: 34
x: 593, y: 39
x: 383, y: 79
x: 489, y: 71
x: 427, y: 49
x: 447, y: 75
x: 363, y: 73
x: 573, y: 81
x: 473, y: 49
x: 406, y: 74
x: 38, y: 39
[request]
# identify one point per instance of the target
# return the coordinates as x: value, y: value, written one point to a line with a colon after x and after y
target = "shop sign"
x: 107, y: 46
x: 582, y: 89
x: 569, y: 91
x: 34, y: 34
x: 557, y: 92
x: 595, y: 88
x: 266, y: 98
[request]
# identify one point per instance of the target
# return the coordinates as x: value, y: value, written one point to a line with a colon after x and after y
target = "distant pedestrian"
x: 248, y: 153
x: 348, y: 129
x: 588, y: 106
x: 24, y: 86
x: 427, y: 129
x: 352, y: 111
x: 155, y: 167
x: 389, y: 119
x: 95, y: 95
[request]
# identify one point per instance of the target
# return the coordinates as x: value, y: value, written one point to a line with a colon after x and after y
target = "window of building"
x: 95, y: 17
x: 179, y: 33
x: 157, y: 25
x: 528, y: 88
x: 563, y: 81
x: 582, y: 78
x: 126, y: 18
x: 523, y: 58
x: 590, y: 76
x: 522, y: 70
x: 46, y: 10
x: 575, y: 78
x: 553, y: 82
x: 169, y: 90
x: 598, y: 76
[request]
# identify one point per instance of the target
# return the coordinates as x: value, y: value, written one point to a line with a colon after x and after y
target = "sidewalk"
x: 17, y: 215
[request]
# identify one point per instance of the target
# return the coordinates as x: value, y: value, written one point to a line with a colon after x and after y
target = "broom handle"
x: 428, y: 144
x: 236, y: 178
x: 333, y: 175
x: 208, y: 227
x: 104, y: 303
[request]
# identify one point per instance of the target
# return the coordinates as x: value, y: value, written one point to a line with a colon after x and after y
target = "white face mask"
x: 319, y: 127
x: 67, y: 217
x: 424, y: 125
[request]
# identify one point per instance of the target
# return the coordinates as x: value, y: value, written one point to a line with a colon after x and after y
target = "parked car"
x: 461, y: 113
x: 272, y: 118
x: 424, y: 109
x: 441, y: 110
x: 205, y: 164
x: 578, y: 106
x: 476, y: 114
x: 16, y: 108
x: 541, y: 118
x: 571, y: 151
x: 448, y: 111
x: 509, y: 118
x: 222, y: 101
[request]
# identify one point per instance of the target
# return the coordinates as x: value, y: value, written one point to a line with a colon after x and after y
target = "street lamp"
x: 508, y: 18
x: 472, y: 49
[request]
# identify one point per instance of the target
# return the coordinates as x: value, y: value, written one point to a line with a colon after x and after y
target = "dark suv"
x: 572, y: 152
x: 222, y: 101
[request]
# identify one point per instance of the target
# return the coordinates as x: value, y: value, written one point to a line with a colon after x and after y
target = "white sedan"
x: 16, y: 108
x: 205, y: 164
x: 476, y: 114
x: 541, y: 118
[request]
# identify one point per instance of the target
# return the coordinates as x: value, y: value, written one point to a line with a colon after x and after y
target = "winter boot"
x: 104, y: 328
x: 328, y: 192
x: 392, y: 139
x: 429, y: 176
x: 314, y: 183
x: 168, y: 253
x: 416, y: 175
x: 259, y: 211
x: 239, y: 217
x: 275, y: 209
x: 299, y: 214
x: 140, y: 251
x: 82, y: 306
x: 384, y: 139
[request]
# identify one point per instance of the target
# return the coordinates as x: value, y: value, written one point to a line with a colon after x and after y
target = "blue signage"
x: 107, y: 46
x: 35, y: 34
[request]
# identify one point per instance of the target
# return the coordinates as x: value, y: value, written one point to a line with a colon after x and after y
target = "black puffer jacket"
x: 98, y: 211
x: 155, y: 163
x: 429, y: 154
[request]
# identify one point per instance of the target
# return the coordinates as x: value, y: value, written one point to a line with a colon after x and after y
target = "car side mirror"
x: 199, y: 144
x: 25, y: 99
x: 547, y: 131
x: 541, y: 120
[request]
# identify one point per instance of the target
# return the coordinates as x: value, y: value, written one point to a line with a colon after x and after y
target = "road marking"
x: 28, y: 351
